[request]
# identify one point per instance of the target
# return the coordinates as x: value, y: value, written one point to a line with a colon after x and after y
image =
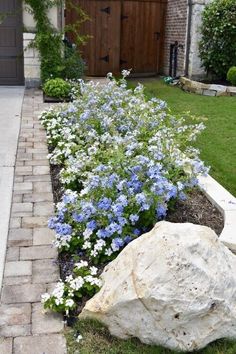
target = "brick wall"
x: 175, y: 30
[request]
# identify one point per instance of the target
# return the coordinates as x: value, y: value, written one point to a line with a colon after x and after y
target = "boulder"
x: 174, y: 286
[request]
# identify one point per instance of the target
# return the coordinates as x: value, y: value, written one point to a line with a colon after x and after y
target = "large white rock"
x: 174, y: 286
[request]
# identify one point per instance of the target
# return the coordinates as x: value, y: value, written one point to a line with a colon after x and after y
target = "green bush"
x: 57, y: 88
x: 231, y: 75
x: 73, y: 64
x: 218, y: 44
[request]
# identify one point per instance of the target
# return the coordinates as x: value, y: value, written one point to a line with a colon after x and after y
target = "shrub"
x: 218, y: 44
x: 125, y: 161
x: 58, y: 88
x: 231, y: 75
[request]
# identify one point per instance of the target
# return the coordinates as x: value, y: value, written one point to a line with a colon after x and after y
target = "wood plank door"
x: 11, y: 43
x: 141, y: 36
x: 102, y: 50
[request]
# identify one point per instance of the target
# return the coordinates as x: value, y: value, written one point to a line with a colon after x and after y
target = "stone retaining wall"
x: 206, y: 89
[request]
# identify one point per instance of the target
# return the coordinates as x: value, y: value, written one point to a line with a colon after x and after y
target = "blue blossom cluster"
x: 129, y: 156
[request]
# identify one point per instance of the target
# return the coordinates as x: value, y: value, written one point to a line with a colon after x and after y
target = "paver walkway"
x: 30, y: 267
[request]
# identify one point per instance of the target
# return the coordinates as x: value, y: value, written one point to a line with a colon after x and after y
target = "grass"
x: 218, y: 142
x: 218, y: 149
x: 97, y: 340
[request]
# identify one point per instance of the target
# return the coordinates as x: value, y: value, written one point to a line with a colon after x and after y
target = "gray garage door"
x: 11, y: 43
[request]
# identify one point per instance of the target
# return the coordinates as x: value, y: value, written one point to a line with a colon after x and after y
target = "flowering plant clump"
x: 83, y: 281
x: 124, y: 161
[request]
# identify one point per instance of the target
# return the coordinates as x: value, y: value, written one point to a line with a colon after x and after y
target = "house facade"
x: 158, y: 36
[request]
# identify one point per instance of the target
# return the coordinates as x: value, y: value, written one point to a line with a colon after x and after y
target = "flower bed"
x: 125, y: 161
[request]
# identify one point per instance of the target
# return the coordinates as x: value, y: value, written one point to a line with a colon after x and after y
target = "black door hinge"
x: 107, y: 10
x: 124, y: 17
x: 157, y: 35
x: 106, y: 58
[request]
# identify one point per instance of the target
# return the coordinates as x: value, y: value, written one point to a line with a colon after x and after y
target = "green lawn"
x: 218, y: 142
x: 97, y: 340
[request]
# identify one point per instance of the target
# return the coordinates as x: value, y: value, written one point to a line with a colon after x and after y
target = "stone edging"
x: 226, y: 203
x: 206, y: 89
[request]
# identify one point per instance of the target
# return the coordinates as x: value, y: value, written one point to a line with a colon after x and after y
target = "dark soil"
x: 197, y: 209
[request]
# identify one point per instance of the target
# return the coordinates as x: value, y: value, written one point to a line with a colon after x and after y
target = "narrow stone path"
x: 30, y: 267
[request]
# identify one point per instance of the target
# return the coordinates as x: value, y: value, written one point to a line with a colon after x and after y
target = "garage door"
x: 11, y: 43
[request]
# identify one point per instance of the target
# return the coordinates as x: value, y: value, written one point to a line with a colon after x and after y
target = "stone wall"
x: 195, y: 70
x: 31, y: 56
x: 175, y: 30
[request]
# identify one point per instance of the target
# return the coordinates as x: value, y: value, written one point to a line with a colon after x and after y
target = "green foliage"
x: 58, y: 88
x: 231, y: 75
x: 218, y: 44
x: 73, y: 64
x: 57, y: 61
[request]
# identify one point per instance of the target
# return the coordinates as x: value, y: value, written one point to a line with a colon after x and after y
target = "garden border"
x: 225, y: 202
x: 206, y: 89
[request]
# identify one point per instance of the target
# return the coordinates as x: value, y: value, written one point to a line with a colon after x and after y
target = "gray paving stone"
x: 15, y: 331
x: 41, y: 273
x: 13, y: 254
x: 45, y: 322
x: 43, y: 236
x: 44, y: 162
x: 17, y: 198
x: 12, y: 294
x: 34, y: 221
x: 17, y: 314
x: 42, y: 187
x: 44, y: 344
x: 6, y: 345
x: 38, y: 197
x: 41, y: 170
x: 18, y: 268
x: 39, y: 178
x: 22, y: 209
x: 23, y: 170
x: 20, y: 237
x: 17, y: 280
x: 24, y: 156
x: 15, y: 223
x: 37, y: 252
x: 43, y: 209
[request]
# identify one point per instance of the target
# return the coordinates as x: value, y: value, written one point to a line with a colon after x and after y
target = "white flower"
x: 81, y: 264
x: 69, y: 303
x: 77, y: 283
x: 87, y: 233
x: 86, y: 245
x: 79, y: 338
x: 45, y: 297
x: 93, y: 270
x: 108, y: 252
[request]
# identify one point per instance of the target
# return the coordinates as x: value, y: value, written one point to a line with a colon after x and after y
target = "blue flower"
x: 127, y: 239
x: 102, y: 233
x: 91, y: 225
x: 52, y: 222
x: 104, y: 203
x: 161, y: 211
x: 134, y: 218
x: 137, y: 232
x: 63, y: 229
x: 78, y: 217
x: 123, y: 200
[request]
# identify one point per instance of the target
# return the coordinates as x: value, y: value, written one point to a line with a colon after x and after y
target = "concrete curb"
x: 226, y: 203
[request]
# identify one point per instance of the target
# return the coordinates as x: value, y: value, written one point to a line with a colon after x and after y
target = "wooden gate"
x: 11, y: 43
x: 123, y: 34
